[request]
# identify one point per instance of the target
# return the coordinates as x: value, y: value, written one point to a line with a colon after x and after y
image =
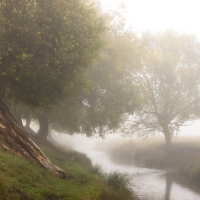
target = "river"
x: 149, y: 184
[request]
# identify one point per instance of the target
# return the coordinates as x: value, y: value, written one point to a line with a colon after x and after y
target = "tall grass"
x: 97, y: 169
x: 118, y: 181
x: 117, y: 187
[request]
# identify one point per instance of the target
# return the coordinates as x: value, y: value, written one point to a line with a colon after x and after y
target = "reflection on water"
x: 151, y: 184
x: 168, y: 187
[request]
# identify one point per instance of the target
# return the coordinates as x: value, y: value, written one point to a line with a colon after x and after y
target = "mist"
x: 86, y: 144
x: 149, y: 183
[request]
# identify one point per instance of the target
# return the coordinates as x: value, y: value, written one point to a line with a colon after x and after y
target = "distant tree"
x: 167, y: 75
x: 100, y: 108
x: 113, y: 93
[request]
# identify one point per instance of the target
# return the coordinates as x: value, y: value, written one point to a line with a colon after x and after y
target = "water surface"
x: 149, y: 184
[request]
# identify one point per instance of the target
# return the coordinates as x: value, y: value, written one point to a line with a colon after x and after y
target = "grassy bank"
x: 22, y: 179
x: 183, y: 158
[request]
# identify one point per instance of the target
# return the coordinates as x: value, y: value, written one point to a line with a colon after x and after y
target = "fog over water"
x: 85, y: 144
x: 149, y: 184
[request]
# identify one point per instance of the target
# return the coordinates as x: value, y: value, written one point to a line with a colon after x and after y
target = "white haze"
x: 87, y: 144
x: 160, y: 15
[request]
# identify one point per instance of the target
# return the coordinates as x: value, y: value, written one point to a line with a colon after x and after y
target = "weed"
x: 97, y: 169
x: 117, y: 181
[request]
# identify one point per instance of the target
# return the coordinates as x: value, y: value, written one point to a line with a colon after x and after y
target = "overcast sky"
x: 159, y: 15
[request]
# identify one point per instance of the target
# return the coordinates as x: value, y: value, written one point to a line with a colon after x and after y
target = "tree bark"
x: 44, y: 130
x: 14, y: 139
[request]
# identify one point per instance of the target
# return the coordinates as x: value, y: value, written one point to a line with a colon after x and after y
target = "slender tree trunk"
x: 44, y: 129
x: 14, y: 139
x: 28, y: 122
x: 30, y: 131
x: 168, y: 141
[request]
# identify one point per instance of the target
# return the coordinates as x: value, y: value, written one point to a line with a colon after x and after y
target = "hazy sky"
x: 159, y: 15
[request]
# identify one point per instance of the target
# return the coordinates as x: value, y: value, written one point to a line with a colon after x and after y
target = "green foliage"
x: 45, y: 47
x: 117, y: 187
x: 97, y: 169
x: 117, y: 181
x: 110, y: 94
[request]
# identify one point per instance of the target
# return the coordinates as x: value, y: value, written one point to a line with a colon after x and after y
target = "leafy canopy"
x: 168, y: 80
x: 45, y: 45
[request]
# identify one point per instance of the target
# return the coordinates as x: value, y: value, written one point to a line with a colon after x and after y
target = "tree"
x: 54, y: 40
x: 44, y: 47
x: 112, y: 93
x: 168, y: 82
x: 15, y: 139
x: 100, y: 108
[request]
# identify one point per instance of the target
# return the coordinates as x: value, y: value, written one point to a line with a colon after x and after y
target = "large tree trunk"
x: 14, y: 139
x: 43, y: 131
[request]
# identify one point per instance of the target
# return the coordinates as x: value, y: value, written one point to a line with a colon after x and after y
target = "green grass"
x: 97, y: 169
x: 21, y: 179
x: 117, y: 187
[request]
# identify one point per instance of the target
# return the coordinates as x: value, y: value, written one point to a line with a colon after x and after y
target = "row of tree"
x: 143, y: 84
x: 45, y: 48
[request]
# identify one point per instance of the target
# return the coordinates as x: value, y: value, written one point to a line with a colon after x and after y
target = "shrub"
x: 117, y: 181
x: 97, y: 169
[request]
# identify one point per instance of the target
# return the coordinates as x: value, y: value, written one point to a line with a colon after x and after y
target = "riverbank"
x: 184, y: 157
x: 24, y: 180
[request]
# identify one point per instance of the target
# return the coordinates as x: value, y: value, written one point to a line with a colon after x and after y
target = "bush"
x: 117, y: 187
x: 117, y: 181
x: 97, y: 169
